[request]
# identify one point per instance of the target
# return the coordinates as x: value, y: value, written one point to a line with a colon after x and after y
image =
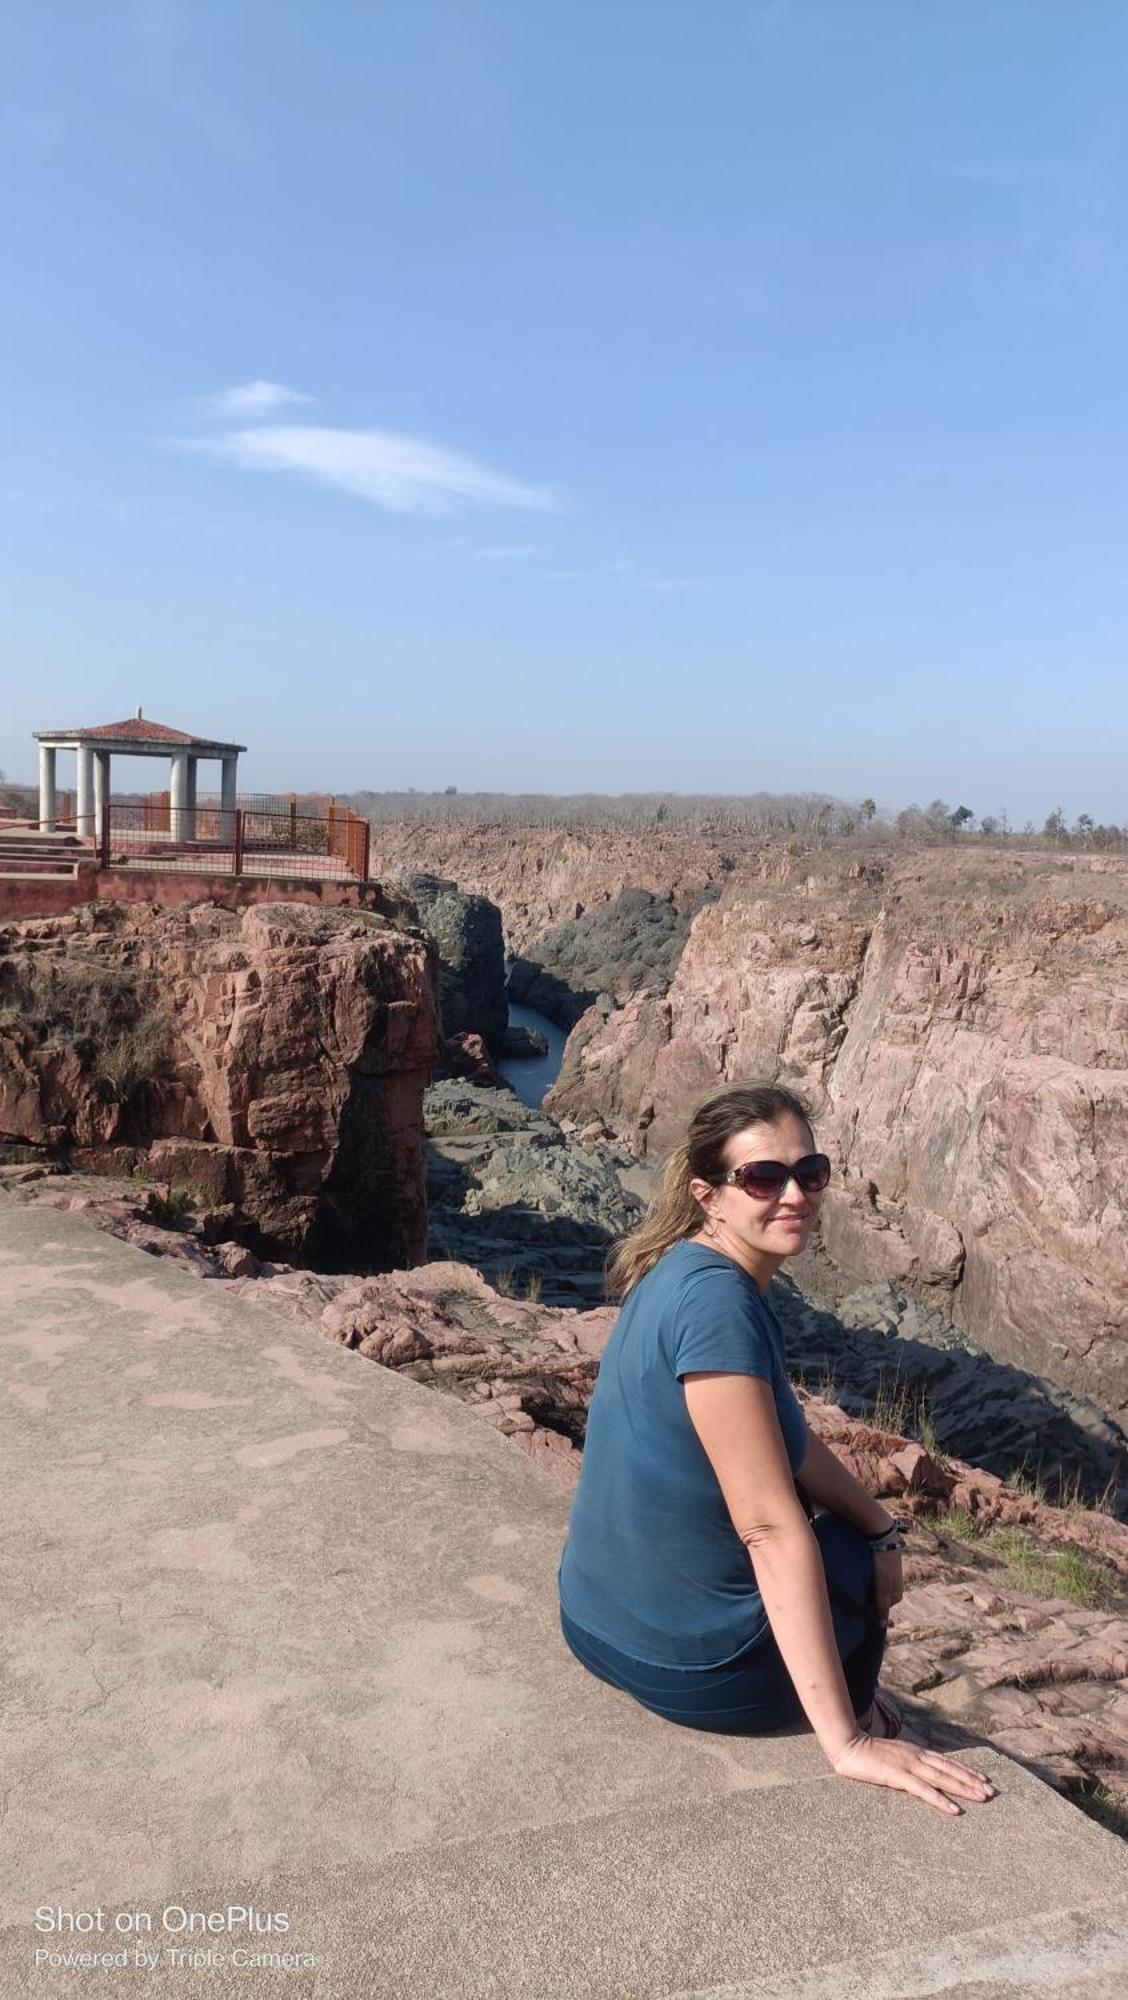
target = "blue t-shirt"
x: 652, y: 1563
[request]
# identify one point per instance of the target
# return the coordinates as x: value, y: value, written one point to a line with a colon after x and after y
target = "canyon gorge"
x: 304, y: 1104
x: 957, y: 1019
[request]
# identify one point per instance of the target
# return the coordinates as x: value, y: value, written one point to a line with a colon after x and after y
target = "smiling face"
x: 758, y: 1235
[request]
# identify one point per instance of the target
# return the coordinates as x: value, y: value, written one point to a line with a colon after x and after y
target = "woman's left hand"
x: 888, y: 1583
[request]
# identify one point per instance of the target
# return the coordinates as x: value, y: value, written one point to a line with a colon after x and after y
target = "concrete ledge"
x: 284, y: 1635
x: 1080, y: 1952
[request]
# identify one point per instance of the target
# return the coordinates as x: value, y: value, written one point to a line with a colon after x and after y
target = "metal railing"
x: 259, y: 836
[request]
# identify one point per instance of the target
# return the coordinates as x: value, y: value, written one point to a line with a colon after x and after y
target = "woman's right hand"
x: 905, y: 1767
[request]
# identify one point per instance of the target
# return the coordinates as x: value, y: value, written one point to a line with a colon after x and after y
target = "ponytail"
x: 673, y: 1213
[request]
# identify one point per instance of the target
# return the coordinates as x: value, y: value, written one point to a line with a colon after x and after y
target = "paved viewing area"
x: 282, y: 1641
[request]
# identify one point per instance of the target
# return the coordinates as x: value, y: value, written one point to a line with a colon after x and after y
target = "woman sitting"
x: 694, y: 1576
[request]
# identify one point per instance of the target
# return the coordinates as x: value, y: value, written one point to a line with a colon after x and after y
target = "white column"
x: 101, y: 790
x: 84, y: 811
x: 227, y: 798
x: 178, y: 794
x: 191, y: 826
x: 47, y: 788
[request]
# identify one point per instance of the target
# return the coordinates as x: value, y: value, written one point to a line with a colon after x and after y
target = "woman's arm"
x: 735, y: 1418
x: 830, y: 1484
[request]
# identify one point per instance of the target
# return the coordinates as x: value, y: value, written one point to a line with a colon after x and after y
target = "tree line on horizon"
x: 798, y: 815
x: 804, y: 814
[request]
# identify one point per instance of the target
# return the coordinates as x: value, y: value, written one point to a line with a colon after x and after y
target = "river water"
x: 532, y: 1076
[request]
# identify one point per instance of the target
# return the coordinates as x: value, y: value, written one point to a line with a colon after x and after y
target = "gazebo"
x: 138, y: 737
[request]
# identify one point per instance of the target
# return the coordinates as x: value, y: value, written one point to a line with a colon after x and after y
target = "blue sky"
x: 711, y: 395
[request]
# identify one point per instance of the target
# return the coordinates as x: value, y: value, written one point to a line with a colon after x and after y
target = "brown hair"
x: 674, y: 1213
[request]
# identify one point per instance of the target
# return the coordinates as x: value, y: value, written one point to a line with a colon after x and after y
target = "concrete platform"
x: 281, y: 1635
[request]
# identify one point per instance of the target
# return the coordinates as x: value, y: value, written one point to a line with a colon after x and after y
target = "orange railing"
x: 261, y: 835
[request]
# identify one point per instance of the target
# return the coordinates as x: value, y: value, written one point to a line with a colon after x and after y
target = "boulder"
x: 509, y: 1192
x: 467, y: 933
x: 272, y: 1059
x: 466, y: 1056
x: 521, y: 1042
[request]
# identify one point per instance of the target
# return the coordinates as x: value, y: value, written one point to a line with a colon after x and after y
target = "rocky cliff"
x: 468, y: 936
x: 541, y: 877
x: 508, y: 1193
x: 958, y: 1017
x: 271, y: 1059
x: 615, y: 949
x: 960, y: 1027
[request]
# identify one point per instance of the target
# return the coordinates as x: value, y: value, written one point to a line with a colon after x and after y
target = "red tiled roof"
x: 139, y: 728
x: 136, y: 729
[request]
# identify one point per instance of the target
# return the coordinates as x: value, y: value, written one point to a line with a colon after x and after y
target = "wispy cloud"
x: 510, y: 552
x: 253, y: 399
x: 406, y: 475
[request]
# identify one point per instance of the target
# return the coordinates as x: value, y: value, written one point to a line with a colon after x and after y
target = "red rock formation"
x: 958, y: 1017
x: 540, y: 876
x: 298, y: 1044
x: 966, y: 1058
x: 467, y: 1056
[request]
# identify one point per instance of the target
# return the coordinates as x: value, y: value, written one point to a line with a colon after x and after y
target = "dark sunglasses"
x: 765, y: 1180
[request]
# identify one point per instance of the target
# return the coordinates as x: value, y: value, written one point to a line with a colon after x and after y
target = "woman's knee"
x: 847, y: 1555
x: 835, y: 1531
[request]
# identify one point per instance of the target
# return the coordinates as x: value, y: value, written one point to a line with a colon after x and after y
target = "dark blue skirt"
x: 754, y: 1692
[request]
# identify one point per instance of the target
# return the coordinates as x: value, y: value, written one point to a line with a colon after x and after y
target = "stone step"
x: 38, y: 865
x: 40, y: 874
x: 48, y: 845
x: 22, y: 836
x: 1074, y: 1955
x: 784, y: 1888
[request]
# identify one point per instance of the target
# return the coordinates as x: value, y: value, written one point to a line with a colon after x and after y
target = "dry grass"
x: 1102, y: 1805
x: 904, y: 1412
x: 1065, y: 1492
x: 1027, y: 1564
x: 106, y: 1014
x: 898, y: 1408
x: 1050, y: 1572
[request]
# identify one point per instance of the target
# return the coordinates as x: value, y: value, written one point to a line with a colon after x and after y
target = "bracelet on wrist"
x: 890, y: 1538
